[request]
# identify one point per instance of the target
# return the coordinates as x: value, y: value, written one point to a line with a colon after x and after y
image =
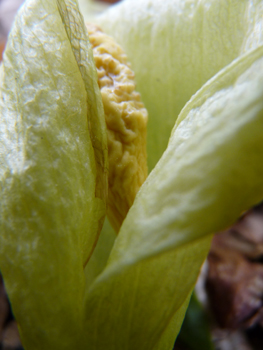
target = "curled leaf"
x: 50, y: 209
x: 82, y: 50
x: 214, y: 156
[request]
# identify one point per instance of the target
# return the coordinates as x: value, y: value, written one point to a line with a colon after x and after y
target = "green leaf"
x: 81, y: 47
x: 175, y: 46
x: 50, y: 209
x: 210, y: 173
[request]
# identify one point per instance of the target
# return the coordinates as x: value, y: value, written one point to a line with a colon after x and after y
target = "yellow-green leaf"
x: 81, y: 47
x: 50, y: 210
x: 210, y: 173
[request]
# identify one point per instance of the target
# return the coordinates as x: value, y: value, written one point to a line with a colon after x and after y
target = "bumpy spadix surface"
x: 126, y: 121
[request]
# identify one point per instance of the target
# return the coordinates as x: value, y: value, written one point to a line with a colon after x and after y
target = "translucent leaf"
x: 81, y: 47
x: 50, y: 209
x: 210, y: 173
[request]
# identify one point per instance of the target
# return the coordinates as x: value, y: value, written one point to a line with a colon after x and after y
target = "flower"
x: 50, y: 214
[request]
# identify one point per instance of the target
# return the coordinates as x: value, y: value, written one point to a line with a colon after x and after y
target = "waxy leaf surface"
x: 50, y: 208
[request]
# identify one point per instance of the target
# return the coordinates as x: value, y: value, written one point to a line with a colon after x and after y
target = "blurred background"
x: 8, y: 10
x: 226, y: 310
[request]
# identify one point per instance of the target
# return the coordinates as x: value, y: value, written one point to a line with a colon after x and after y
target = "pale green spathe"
x: 210, y: 172
x: 49, y: 210
x: 175, y: 46
x: 92, y: 8
x: 53, y: 155
x: 81, y: 48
